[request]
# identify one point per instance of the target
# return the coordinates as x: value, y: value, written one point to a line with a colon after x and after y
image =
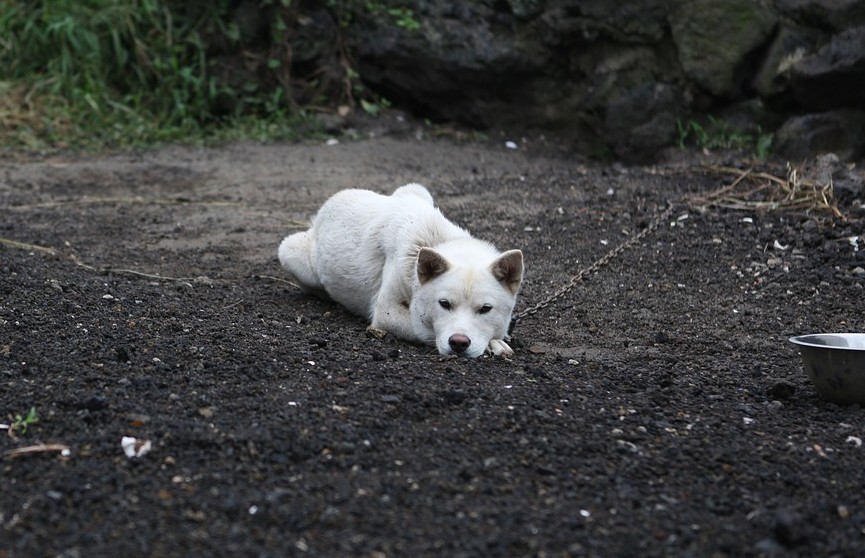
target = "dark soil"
x: 656, y: 410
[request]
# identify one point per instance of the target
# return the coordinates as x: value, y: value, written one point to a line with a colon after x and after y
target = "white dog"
x: 400, y: 263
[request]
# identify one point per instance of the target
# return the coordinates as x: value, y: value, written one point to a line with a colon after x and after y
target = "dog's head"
x: 465, y: 298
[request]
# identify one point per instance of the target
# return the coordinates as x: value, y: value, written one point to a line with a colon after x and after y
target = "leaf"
x: 369, y: 107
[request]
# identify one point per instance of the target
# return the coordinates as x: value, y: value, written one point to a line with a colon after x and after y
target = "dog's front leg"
x: 499, y: 347
x: 392, y: 315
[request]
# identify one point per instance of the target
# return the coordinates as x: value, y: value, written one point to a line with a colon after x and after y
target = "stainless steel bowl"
x: 836, y: 364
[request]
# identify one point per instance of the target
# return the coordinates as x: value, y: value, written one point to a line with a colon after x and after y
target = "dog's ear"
x: 430, y: 264
x: 508, y: 269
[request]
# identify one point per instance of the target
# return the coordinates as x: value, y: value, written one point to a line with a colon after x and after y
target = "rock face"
x: 617, y: 78
x: 714, y: 40
x: 836, y: 131
x: 834, y: 75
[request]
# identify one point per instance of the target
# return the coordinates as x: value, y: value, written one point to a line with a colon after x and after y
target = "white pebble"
x: 132, y: 447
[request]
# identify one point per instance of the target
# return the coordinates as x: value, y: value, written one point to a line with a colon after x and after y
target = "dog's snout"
x: 459, y: 342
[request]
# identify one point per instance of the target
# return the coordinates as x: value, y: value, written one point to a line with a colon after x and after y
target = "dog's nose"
x: 459, y: 342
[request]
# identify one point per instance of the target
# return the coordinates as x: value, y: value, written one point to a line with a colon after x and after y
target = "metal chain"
x: 598, y: 264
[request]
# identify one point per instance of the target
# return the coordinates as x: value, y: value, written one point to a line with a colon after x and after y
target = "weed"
x: 763, y: 144
x: 402, y: 17
x: 718, y: 134
x: 374, y: 107
x: 21, y: 422
x: 96, y: 73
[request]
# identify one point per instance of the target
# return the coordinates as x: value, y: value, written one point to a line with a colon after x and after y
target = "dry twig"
x: 25, y: 246
x: 38, y: 448
x: 106, y: 270
x: 752, y: 190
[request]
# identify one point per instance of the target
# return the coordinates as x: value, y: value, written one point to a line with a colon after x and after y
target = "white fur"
x: 394, y: 259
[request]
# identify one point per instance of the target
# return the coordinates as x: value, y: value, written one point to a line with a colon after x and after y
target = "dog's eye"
x: 484, y: 309
x: 444, y: 303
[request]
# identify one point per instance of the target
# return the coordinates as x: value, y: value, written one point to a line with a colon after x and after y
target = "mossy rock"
x: 715, y: 38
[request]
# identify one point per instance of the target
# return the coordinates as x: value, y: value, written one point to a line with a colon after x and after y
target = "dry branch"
x: 38, y: 448
x: 752, y: 190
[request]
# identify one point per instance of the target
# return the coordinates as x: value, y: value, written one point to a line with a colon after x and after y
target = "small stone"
x: 454, y: 396
x: 121, y: 354
x: 781, y: 390
x: 137, y: 419
x: 787, y: 529
x: 94, y: 403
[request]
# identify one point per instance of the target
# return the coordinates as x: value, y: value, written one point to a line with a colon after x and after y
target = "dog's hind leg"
x: 414, y: 189
x: 295, y: 255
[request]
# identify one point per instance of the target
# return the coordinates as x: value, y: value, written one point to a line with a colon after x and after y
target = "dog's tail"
x: 295, y: 255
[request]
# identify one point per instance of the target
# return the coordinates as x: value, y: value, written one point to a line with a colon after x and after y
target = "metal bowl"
x: 836, y: 364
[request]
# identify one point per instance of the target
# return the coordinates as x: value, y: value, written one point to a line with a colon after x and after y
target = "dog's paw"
x: 499, y: 348
x: 376, y: 332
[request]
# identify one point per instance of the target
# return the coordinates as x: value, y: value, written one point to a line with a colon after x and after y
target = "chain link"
x: 598, y: 264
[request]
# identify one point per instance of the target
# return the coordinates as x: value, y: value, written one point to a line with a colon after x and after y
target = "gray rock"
x: 834, y: 76
x: 845, y: 178
x: 456, y: 60
x: 627, y: 21
x: 832, y: 15
x: 838, y: 132
x: 613, y: 78
x: 714, y: 39
x: 789, y: 46
x: 642, y: 121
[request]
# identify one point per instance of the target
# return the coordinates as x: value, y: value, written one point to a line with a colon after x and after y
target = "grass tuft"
x: 719, y: 134
x: 114, y: 73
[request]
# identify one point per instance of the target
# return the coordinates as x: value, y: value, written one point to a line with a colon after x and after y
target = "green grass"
x: 22, y: 422
x: 718, y: 134
x: 114, y: 73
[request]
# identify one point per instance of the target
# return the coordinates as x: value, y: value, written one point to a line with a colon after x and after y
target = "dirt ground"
x: 656, y: 410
